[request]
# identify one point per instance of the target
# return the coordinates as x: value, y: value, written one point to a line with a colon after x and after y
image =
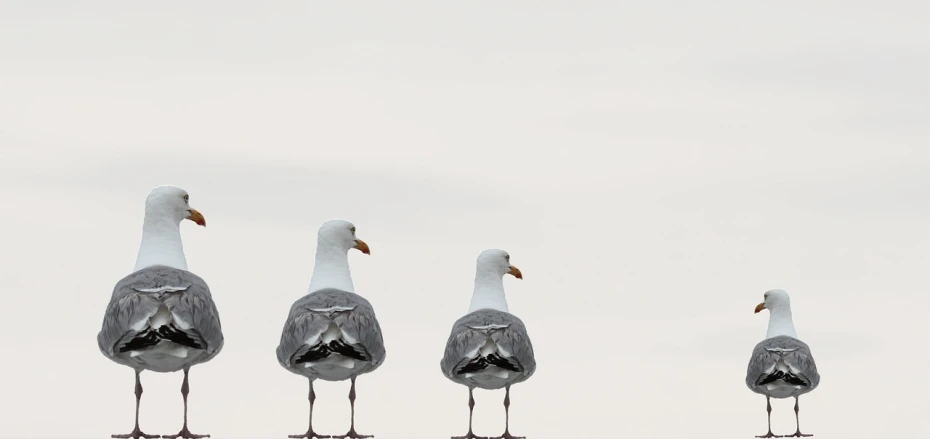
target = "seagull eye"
x: 507, y: 257
x: 187, y: 198
x: 352, y: 229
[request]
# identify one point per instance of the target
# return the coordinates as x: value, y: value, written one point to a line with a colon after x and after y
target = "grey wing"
x: 121, y: 320
x: 196, y: 315
x: 795, y: 353
x: 802, y: 363
x: 301, y: 325
x: 471, y: 332
x: 516, y: 342
x: 462, y: 346
x: 362, y: 325
x: 312, y: 314
x: 760, y: 362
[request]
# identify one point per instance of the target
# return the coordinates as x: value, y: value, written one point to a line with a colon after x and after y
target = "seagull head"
x: 497, y: 262
x: 774, y: 299
x: 340, y: 234
x: 174, y: 203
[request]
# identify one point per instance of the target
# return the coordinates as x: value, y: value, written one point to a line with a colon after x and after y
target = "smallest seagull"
x: 489, y: 347
x: 781, y: 366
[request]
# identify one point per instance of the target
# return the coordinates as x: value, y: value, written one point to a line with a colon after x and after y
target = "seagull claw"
x: 136, y: 434
x: 309, y: 435
x: 185, y: 434
x: 352, y: 435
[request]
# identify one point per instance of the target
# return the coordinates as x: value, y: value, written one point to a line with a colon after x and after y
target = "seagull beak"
x: 760, y: 307
x: 515, y: 272
x: 197, y: 217
x: 362, y: 247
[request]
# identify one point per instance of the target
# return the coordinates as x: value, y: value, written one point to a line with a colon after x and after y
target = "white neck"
x: 161, y: 243
x: 489, y: 292
x: 780, y: 323
x: 331, y: 269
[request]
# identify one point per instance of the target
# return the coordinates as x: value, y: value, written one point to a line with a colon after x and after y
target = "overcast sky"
x: 652, y: 169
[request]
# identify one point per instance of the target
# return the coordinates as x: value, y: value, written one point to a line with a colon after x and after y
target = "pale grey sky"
x: 651, y: 168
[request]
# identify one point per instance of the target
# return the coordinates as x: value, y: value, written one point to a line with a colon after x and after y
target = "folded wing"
x: 160, y: 309
x: 330, y: 322
x: 783, y: 359
x: 487, y: 338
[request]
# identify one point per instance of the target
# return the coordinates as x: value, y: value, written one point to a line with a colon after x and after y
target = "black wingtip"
x: 502, y: 363
x: 779, y: 375
x: 345, y: 350
x: 143, y: 340
x: 475, y: 365
x: 315, y: 353
x: 170, y: 333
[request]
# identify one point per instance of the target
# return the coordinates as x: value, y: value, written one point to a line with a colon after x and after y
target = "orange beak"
x: 362, y: 247
x: 760, y: 307
x: 515, y: 272
x: 197, y: 217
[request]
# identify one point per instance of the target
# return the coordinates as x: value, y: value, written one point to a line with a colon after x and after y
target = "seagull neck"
x: 780, y: 323
x: 161, y: 244
x: 331, y: 270
x: 488, y: 293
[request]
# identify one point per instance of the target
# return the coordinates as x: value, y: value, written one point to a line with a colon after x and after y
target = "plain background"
x: 652, y: 168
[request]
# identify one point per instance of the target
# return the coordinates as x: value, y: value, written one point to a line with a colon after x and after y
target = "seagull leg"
x: 797, y: 433
x: 310, y: 434
x: 136, y: 432
x: 185, y: 433
x: 352, y: 434
x: 768, y: 408
x: 471, y: 412
x: 507, y: 434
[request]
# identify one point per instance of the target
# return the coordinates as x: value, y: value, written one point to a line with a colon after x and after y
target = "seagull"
x: 332, y: 333
x: 161, y: 317
x: 781, y: 366
x: 489, y: 347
